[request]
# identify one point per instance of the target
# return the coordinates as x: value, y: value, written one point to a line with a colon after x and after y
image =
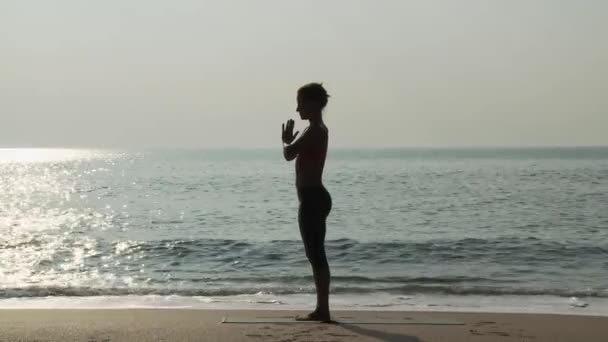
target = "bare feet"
x: 317, y: 315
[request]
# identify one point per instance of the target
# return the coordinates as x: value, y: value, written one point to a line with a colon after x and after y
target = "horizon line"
x: 342, y: 147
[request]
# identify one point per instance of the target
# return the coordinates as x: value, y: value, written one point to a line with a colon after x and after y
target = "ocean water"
x: 415, y: 229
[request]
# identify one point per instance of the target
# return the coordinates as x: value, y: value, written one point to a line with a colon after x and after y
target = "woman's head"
x: 312, y: 98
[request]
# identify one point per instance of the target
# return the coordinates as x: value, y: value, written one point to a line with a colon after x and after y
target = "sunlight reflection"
x: 42, y: 155
x: 43, y: 225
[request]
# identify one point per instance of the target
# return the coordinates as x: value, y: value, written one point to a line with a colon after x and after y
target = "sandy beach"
x: 93, y: 325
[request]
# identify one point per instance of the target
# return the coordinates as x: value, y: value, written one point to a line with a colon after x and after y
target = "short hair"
x: 314, y: 92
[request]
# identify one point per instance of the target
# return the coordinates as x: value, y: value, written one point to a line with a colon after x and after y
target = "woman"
x: 310, y: 151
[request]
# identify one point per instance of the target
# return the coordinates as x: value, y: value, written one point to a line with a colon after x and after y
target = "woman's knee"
x: 317, y: 259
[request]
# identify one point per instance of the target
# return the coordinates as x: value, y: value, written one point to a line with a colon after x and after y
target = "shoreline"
x: 111, y: 325
x: 376, y: 302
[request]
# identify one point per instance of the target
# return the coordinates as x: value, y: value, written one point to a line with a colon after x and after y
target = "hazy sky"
x: 136, y: 73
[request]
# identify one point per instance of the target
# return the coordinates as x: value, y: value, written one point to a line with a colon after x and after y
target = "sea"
x: 441, y: 229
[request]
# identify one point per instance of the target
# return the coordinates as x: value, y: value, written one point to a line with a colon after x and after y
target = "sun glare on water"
x: 41, y: 155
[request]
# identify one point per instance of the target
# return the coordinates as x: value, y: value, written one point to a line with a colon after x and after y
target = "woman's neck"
x: 316, y: 120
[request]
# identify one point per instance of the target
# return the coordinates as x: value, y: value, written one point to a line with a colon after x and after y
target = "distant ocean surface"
x: 448, y: 229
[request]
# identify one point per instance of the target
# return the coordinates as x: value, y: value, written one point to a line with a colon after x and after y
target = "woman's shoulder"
x: 321, y: 128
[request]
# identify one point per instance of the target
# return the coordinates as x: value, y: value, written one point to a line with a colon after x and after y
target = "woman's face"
x: 306, y: 108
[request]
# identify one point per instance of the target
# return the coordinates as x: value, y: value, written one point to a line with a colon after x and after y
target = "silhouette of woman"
x: 310, y: 151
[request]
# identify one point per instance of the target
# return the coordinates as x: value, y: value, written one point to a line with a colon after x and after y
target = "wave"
x: 357, y: 279
x: 59, y: 291
x: 497, y: 249
x: 511, y: 244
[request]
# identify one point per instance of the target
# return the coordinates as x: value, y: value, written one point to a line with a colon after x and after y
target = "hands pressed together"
x: 288, y: 136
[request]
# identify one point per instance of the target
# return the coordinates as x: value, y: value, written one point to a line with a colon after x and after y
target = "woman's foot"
x: 316, y: 315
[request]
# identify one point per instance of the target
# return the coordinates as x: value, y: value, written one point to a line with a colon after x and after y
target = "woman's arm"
x: 291, y: 151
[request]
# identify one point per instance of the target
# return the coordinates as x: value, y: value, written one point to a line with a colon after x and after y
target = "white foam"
x: 379, y: 301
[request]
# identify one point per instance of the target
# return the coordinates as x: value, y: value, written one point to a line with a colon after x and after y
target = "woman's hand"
x: 288, y: 136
